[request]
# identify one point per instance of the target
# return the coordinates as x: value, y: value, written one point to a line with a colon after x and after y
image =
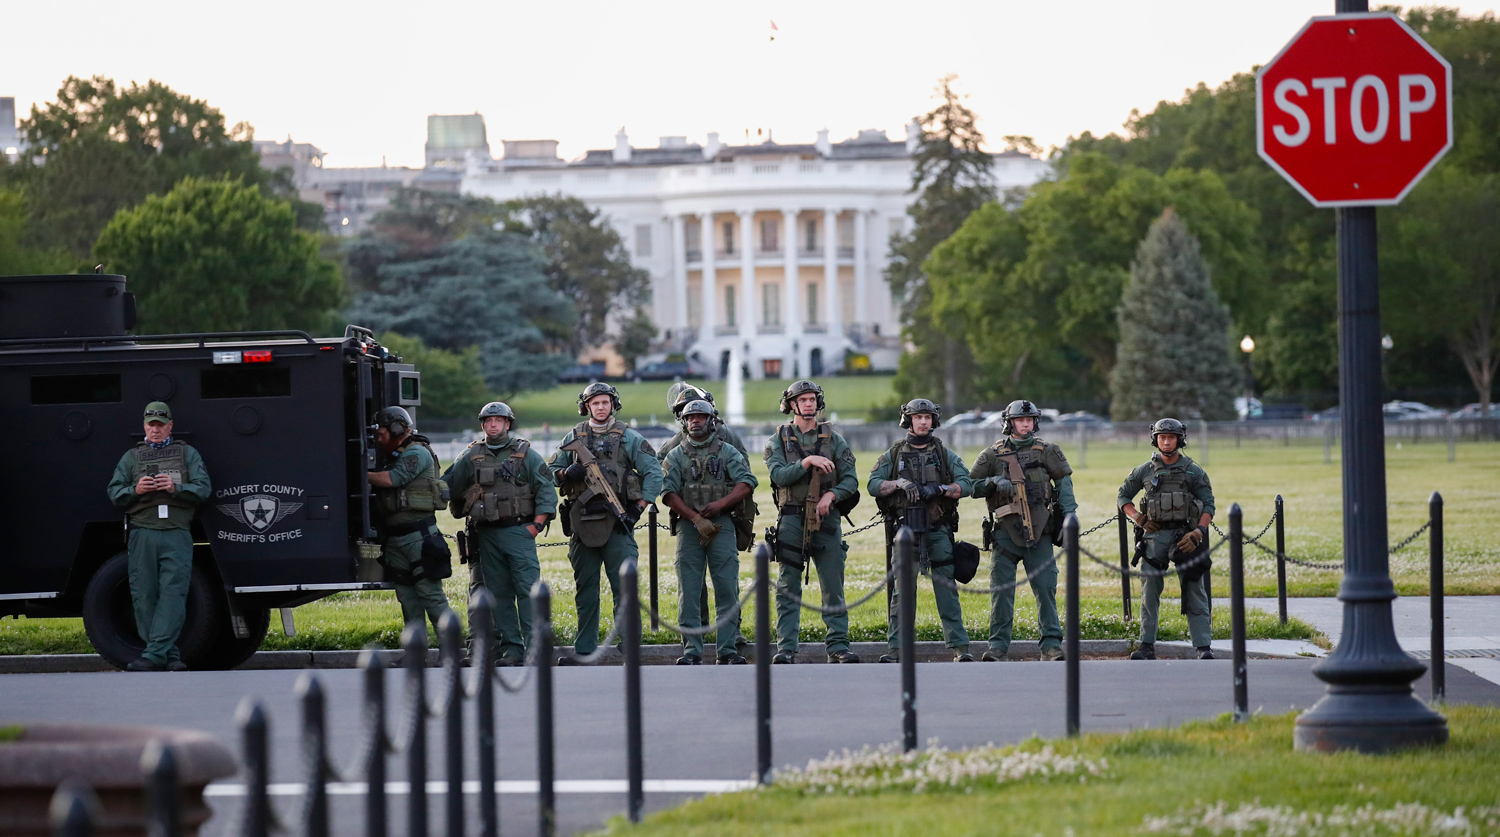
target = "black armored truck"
x: 284, y: 423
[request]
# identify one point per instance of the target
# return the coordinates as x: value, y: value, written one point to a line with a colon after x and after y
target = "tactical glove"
x: 1150, y: 526
x: 1190, y: 542
x: 1004, y: 488
x: 707, y: 530
x: 930, y: 491
x: 577, y: 472
x: 910, y: 489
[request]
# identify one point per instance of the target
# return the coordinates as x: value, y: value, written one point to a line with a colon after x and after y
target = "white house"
x: 775, y: 251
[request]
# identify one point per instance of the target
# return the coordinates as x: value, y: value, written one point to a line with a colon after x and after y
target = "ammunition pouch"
x: 436, y: 561
x: 965, y: 561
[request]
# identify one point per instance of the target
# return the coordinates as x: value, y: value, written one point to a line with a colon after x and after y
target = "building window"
x: 769, y: 240
x: 846, y: 233
x: 729, y: 238
x: 729, y: 306
x: 770, y: 305
x: 643, y: 241
x: 692, y: 235
x: 694, y: 306
x: 812, y: 303
x: 771, y: 367
x: 812, y: 236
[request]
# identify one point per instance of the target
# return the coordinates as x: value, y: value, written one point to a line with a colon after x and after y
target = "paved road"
x: 698, y: 722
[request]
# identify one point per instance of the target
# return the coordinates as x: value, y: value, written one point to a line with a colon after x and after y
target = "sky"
x: 359, y: 79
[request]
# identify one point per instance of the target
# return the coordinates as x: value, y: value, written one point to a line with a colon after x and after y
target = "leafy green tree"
x: 452, y: 386
x: 103, y: 148
x: 1174, y: 333
x: 951, y: 179
x: 17, y: 258
x: 487, y: 290
x: 635, y: 338
x: 218, y: 255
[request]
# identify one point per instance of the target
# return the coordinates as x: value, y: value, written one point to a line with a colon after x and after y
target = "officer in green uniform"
x: 804, y: 450
x: 159, y: 483
x: 1179, y: 507
x: 598, y: 540
x: 679, y: 395
x: 407, y: 492
x: 918, y: 483
x: 706, y: 481
x: 1049, y: 498
x: 504, y: 488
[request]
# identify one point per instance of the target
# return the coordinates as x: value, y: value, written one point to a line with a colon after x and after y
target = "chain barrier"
x: 401, y: 742
x: 527, y: 665
x: 1147, y: 573
x: 705, y: 630
x: 985, y: 591
x: 1413, y: 536
x: 1085, y: 533
x: 1255, y: 540
x: 1298, y: 561
x: 845, y: 607
x: 604, y: 645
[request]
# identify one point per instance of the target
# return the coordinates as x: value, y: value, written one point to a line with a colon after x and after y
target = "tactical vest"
x: 149, y: 462
x: 501, y: 491
x: 1170, y: 502
x: 592, y: 521
x: 1039, y: 491
x: 796, y: 493
x: 422, y: 496
x: 927, y: 466
x: 708, y: 480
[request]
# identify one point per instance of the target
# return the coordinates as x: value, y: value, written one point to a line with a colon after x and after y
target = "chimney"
x: 622, y: 146
x: 711, y: 150
x: 913, y: 136
x: 823, y: 145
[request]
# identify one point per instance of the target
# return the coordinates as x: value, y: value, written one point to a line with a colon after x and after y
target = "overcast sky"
x: 359, y: 79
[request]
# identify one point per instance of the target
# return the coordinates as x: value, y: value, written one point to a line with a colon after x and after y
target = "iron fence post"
x: 314, y: 753
x: 1435, y: 597
x: 482, y: 627
x: 1237, y: 610
x: 655, y: 620
x: 1125, y: 564
x: 634, y: 762
x: 541, y: 621
x: 372, y: 663
x: 74, y: 811
x: 1070, y: 634
x: 450, y: 644
x: 251, y: 719
x: 159, y: 769
x: 763, y: 664
x: 1281, y: 559
x: 907, y: 608
x: 414, y: 659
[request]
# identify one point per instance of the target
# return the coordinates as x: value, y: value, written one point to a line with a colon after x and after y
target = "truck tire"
x: 228, y: 651
x: 109, y: 618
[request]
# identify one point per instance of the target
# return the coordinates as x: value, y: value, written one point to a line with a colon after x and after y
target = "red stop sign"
x: 1354, y: 110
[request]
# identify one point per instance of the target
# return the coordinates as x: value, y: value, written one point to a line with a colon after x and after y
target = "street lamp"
x: 1386, y: 344
x: 1247, y: 345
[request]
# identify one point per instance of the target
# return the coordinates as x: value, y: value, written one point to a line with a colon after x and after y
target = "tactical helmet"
x: 497, y: 408
x: 395, y: 420
x: 697, y: 407
x: 790, y: 394
x: 1169, y: 425
x: 674, y: 392
x: 921, y: 405
x: 597, y: 388
x: 689, y: 394
x: 1018, y: 409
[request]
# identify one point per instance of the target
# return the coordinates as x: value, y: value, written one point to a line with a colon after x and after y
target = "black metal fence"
x: 75, y: 812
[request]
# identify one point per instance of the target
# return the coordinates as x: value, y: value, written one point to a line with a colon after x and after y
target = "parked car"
x: 972, y: 418
x: 1248, y: 409
x: 1082, y: 417
x: 582, y: 373
x: 1410, y: 411
x: 1473, y: 411
x: 663, y: 370
x: 1330, y: 414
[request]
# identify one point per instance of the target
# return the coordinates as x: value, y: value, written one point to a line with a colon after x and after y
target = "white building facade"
x: 771, y: 253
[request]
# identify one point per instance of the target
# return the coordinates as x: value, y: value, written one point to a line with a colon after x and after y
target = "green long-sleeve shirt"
x: 194, y: 489
x: 460, y: 475
x: 638, y: 454
x: 676, y: 467
x: 1194, y: 475
x: 784, y: 473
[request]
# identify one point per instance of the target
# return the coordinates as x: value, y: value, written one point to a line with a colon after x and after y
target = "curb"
x: 927, y: 652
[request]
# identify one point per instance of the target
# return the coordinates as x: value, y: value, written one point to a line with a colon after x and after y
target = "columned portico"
x: 748, y: 317
x: 679, y: 277
x: 792, y: 311
x: 709, y: 309
x: 861, y: 268
x: 834, y: 317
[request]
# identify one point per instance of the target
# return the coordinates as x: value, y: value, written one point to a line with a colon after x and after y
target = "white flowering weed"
x: 1404, y: 818
x: 935, y: 768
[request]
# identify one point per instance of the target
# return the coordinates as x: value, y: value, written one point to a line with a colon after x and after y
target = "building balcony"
x: 694, y: 256
x: 726, y: 330
x: 815, y: 328
x: 770, y: 328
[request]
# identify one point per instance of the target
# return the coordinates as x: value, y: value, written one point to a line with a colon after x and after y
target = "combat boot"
x: 1205, y: 652
x: 1052, y: 654
x: 962, y: 655
x: 843, y: 657
x: 891, y: 657
x: 992, y: 656
x: 1146, y: 651
x: 690, y: 660
x: 733, y: 660
x: 177, y: 665
x: 144, y: 664
x: 784, y: 658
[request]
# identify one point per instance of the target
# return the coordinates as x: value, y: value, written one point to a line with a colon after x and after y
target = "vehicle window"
x: 246, y: 382
x: 75, y: 389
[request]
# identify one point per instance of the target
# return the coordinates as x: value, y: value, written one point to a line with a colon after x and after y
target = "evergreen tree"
x: 951, y: 176
x: 1173, y: 356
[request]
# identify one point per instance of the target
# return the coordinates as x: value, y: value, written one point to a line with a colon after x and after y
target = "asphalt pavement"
x: 698, y: 722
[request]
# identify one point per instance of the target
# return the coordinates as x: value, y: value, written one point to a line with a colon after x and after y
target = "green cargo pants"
x: 950, y: 611
x: 403, y: 552
x: 587, y: 561
x: 1006, y: 555
x: 508, y: 567
x: 720, y: 560
x: 1195, y: 603
x: 828, y: 555
x: 160, y: 568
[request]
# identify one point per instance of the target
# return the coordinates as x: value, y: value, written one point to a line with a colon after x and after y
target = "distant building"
x: 773, y: 251
x: 10, y: 139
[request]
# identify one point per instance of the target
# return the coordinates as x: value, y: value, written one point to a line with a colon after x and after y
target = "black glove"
x: 931, y: 490
x: 577, y: 472
x: 1004, y: 488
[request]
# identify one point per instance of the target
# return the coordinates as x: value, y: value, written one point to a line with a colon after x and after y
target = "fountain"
x: 734, y: 382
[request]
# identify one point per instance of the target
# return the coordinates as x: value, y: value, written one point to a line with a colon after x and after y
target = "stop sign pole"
x: 1369, y: 705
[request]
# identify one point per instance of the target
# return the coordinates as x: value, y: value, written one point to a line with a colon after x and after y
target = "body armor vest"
x: 501, y: 491
x: 149, y: 462
x: 593, y: 522
x: 1039, y: 490
x: 796, y: 493
x: 708, y: 480
x: 1170, y: 502
x: 927, y: 466
x: 425, y: 493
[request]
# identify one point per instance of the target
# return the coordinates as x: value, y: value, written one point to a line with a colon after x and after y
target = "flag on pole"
x: 774, y: 30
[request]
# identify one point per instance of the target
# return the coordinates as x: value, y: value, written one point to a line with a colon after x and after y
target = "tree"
x: 635, y: 338
x: 451, y: 383
x: 1174, y: 333
x: 487, y: 290
x: 586, y: 262
x: 218, y: 255
x: 17, y: 258
x: 1441, y: 273
x: 951, y: 178
x: 104, y: 148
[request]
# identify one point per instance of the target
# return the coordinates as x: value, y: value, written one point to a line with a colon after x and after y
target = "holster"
x: 784, y: 553
x: 1197, y: 570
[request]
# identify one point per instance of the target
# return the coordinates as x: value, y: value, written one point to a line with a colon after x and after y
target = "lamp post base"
x: 1369, y: 719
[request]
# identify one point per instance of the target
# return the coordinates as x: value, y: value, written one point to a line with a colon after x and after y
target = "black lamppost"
x: 1247, y: 345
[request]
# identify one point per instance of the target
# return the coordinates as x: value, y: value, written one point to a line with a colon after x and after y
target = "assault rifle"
x: 598, y: 486
x: 1017, y: 476
x: 810, y: 519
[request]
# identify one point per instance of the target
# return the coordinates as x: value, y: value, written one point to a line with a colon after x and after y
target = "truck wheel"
x: 109, y: 617
x: 228, y: 651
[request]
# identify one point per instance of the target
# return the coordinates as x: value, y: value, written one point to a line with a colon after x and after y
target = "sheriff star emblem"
x: 259, y: 511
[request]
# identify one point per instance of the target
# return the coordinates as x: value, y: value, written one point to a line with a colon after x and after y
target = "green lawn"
x: 1251, y: 475
x: 1207, y: 777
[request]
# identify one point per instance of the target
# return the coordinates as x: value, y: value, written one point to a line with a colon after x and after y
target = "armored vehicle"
x: 283, y: 421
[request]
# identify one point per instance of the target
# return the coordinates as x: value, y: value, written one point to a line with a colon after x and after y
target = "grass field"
x: 1206, y: 777
x: 1251, y: 475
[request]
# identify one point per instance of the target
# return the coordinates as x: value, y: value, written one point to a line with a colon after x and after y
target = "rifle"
x: 916, y: 520
x: 1140, y: 547
x: 810, y: 519
x: 597, y: 484
x: 1017, y: 475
